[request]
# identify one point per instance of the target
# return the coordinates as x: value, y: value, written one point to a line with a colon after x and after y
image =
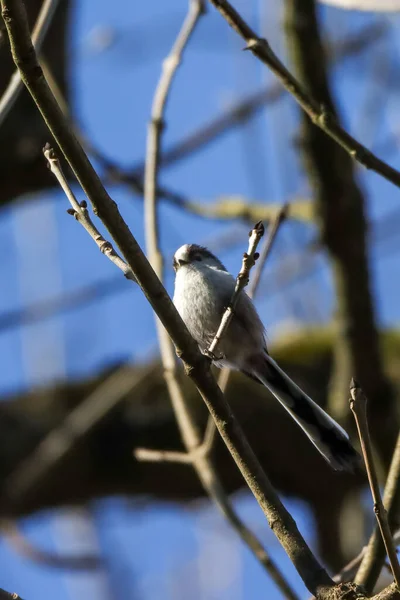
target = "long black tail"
x: 327, y: 436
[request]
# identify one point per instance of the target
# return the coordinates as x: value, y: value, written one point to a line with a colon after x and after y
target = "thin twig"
x: 81, y: 562
x: 81, y: 214
x: 224, y: 377
x: 194, y: 454
x: 358, y: 405
x: 319, y: 115
x: 374, y: 556
x: 249, y: 260
x: 40, y: 29
x: 273, y: 229
x: 169, y: 456
x: 197, y: 366
x: 28, y: 476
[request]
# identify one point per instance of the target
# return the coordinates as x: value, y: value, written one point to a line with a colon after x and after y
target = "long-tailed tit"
x: 203, y: 289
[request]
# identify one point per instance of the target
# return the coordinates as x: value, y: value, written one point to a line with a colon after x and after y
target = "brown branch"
x: 249, y: 260
x: 182, y: 408
x: 358, y: 405
x: 274, y: 227
x: 319, y: 115
x: 81, y: 562
x: 197, y: 366
x: 28, y: 475
x: 81, y: 214
x: 223, y: 379
x: 374, y: 556
x: 170, y: 66
x: 244, y: 109
x: 389, y: 593
x: 207, y: 133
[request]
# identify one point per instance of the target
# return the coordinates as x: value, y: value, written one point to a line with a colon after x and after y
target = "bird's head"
x: 197, y: 256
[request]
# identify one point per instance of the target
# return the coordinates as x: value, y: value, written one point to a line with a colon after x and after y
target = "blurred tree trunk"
x: 341, y: 218
x: 24, y: 133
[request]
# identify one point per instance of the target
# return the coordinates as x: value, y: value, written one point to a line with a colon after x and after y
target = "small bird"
x: 203, y: 290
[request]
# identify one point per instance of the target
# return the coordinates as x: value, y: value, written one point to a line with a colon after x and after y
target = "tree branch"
x: 374, y: 555
x: 244, y: 109
x: 223, y: 379
x: 194, y: 456
x: 81, y: 214
x: 319, y: 114
x: 81, y: 562
x: 358, y: 405
x: 389, y: 593
x: 28, y: 476
x: 249, y: 260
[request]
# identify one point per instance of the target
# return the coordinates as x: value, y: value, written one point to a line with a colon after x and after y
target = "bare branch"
x: 238, y: 207
x: 149, y: 455
x: 81, y: 214
x: 224, y: 377
x: 60, y: 441
x: 389, y: 593
x: 194, y: 454
x: 21, y: 544
x: 244, y: 109
x: 170, y: 66
x: 358, y: 404
x: 374, y: 556
x: 281, y: 216
x: 249, y: 260
x: 319, y: 115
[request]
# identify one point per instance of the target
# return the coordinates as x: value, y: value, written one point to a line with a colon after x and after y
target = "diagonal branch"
x: 247, y: 107
x: 81, y: 214
x: 201, y: 463
x: 319, y: 115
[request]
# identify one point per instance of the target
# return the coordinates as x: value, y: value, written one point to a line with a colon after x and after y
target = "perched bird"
x: 203, y: 290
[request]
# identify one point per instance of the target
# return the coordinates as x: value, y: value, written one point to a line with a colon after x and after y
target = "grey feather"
x: 203, y: 289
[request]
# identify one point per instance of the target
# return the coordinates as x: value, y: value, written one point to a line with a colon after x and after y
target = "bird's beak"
x: 179, y: 262
x: 181, y: 257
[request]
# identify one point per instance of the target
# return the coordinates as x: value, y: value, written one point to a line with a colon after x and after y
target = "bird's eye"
x: 197, y: 257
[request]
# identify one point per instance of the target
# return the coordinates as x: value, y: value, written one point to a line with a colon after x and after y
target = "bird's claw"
x: 213, y: 357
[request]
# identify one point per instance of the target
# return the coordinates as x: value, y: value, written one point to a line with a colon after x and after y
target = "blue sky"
x: 116, y: 52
